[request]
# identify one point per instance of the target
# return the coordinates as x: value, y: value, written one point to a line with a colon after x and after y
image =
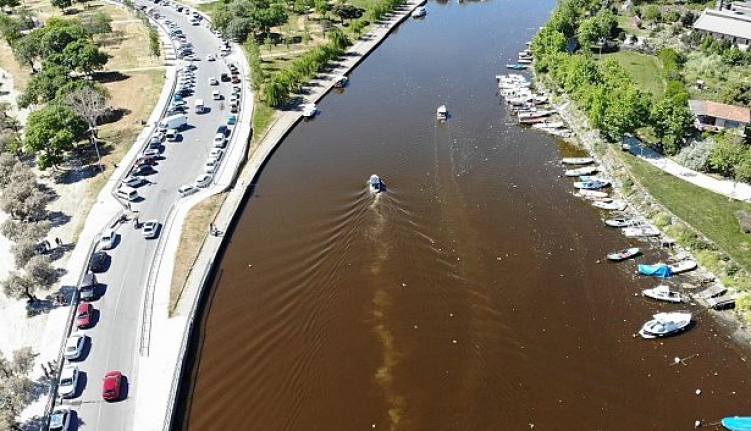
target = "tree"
x: 736, y: 93
x: 672, y: 122
x: 88, y: 102
x: 43, y: 86
x: 321, y: 7
x: 80, y: 55
x: 726, y: 155
x: 10, y: 28
x: 16, y: 388
x: 652, y: 13
x: 154, y: 44
x: 61, y: 4
x: 9, y: 4
x: 24, y: 201
x: 50, y: 132
x: 7, y: 165
x: 18, y: 231
x: 39, y: 271
x: 19, y: 287
x: 96, y: 22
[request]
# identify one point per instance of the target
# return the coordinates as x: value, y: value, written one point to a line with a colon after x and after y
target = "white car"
x: 74, y: 346
x: 151, y: 152
x: 186, y: 190
x: 211, y: 166
x: 216, y: 154
x: 107, y: 239
x: 215, y: 95
x: 210, y: 57
x: 134, y: 182
x: 213, y: 81
x: 60, y: 419
x: 194, y: 22
x: 191, y: 57
x: 203, y: 181
x: 220, y: 141
x: 68, y: 382
x: 151, y: 229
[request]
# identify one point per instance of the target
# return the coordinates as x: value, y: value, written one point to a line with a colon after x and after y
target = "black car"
x: 185, y: 92
x: 142, y: 170
x: 98, y: 261
x: 222, y: 129
x: 225, y: 77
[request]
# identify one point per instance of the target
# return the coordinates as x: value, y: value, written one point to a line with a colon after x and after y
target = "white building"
x: 730, y: 21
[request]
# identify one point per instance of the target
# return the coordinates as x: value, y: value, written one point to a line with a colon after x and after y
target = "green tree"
x: 61, y: 4
x: 672, y: 122
x: 59, y: 33
x: 9, y: 4
x: 736, y: 93
x: 726, y: 155
x: 96, y: 22
x: 10, y: 28
x: 81, y: 55
x: 652, y: 13
x: 44, y: 85
x: 50, y: 132
x: 321, y: 7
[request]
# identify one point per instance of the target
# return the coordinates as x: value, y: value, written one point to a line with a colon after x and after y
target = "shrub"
x: 696, y: 155
x: 744, y: 220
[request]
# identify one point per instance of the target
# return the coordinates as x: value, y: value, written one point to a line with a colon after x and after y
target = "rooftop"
x: 736, y: 23
x: 740, y: 114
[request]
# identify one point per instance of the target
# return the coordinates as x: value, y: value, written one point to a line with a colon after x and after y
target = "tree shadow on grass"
x: 76, y: 174
x: 54, y: 300
x: 110, y: 76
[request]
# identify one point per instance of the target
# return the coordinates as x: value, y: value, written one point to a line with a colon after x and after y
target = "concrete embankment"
x: 202, y: 274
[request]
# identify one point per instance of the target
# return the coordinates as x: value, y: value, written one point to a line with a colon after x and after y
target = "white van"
x: 127, y: 193
x: 173, y: 122
x: 199, y: 106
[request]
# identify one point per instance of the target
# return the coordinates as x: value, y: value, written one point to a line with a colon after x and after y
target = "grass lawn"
x: 624, y: 22
x: 708, y: 212
x: 207, y: 8
x: 645, y: 69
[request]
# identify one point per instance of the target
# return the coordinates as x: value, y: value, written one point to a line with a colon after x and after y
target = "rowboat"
x: 641, y: 230
x: 590, y: 194
x: 591, y: 185
x: 624, y: 254
x: 577, y: 160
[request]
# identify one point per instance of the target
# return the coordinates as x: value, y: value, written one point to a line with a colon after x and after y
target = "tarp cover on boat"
x: 658, y: 270
x: 737, y: 423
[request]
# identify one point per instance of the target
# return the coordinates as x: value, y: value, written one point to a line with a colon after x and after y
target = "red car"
x: 84, y: 315
x: 112, y: 384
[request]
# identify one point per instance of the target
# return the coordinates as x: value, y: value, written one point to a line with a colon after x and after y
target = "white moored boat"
x: 550, y: 125
x: 419, y: 12
x: 641, y: 229
x: 442, y: 114
x: 664, y: 324
x: 621, y: 222
x: 577, y: 160
x: 587, y: 170
x: 591, y: 185
x: 309, y: 111
x: 375, y: 184
x: 591, y: 194
x: 615, y: 205
x: 683, y: 266
x: 620, y: 255
x: 663, y: 293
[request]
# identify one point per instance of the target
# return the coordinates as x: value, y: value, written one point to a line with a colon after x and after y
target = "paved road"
x: 115, y: 338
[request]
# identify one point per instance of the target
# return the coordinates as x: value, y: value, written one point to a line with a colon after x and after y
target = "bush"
x: 744, y: 220
x: 696, y: 155
x: 40, y: 272
x: 23, y: 251
x: 16, y: 231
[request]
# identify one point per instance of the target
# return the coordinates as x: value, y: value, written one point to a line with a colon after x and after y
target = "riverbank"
x: 165, y: 376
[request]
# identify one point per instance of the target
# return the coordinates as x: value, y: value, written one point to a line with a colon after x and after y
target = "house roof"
x: 727, y: 22
x: 740, y: 114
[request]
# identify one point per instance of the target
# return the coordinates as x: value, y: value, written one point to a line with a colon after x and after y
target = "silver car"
x: 68, y: 382
x: 74, y: 346
x: 151, y: 229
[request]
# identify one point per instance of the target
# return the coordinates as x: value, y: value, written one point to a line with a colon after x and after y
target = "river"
x: 468, y: 296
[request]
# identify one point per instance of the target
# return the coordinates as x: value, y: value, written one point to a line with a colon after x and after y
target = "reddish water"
x: 468, y: 296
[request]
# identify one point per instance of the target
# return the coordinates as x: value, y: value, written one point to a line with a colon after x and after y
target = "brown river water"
x: 468, y: 296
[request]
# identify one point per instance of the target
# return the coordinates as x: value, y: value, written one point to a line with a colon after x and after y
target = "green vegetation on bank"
x: 644, y: 69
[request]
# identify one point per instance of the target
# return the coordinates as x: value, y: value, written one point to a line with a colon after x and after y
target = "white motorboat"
x: 628, y: 253
x: 524, y: 60
x: 591, y: 194
x: 442, y: 114
x: 587, y: 170
x: 309, y: 111
x: 375, y: 184
x: 551, y: 125
x: 615, y: 205
x: 591, y: 185
x: 419, y: 12
x: 683, y: 266
x: 664, y: 324
x: 621, y: 222
x: 641, y: 229
x: 663, y: 293
x: 536, y: 113
x: 577, y: 160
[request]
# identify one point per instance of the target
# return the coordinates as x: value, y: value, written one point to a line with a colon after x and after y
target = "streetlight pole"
x: 95, y: 142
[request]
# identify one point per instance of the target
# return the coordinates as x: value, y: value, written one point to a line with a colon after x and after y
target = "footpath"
x: 162, y: 368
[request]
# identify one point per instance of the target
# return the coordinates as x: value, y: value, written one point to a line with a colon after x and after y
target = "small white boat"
x: 577, y: 160
x: 664, y: 324
x: 419, y: 12
x: 309, y: 111
x: 591, y: 194
x: 683, y: 266
x: 663, y: 293
x: 617, y: 256
x: 551, y: 125
x: 621, y: 222
x: 442, y: 114
x: 524, y: 60
x: 375, y: 184
x: 587, y: 170
x: 641, y: 230
x: 591, y: 185
x: 536, y: 113
x: 615, y: 205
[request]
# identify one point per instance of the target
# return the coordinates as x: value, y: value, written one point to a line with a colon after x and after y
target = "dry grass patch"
x: 195, y: 230
x: 21, y: 75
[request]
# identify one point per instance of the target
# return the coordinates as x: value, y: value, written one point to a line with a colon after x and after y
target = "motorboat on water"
x: 663, y: 293
x: 665, y: 324
x: 309, y: 111
x: 621, y: 222
x: 419, y: 12
x: 375, y: 184
x: 664, y: 270
x: 537, y: 113
x: 591, y: 185
x: 614, y: 205
x: 587, y: 170
x: 737, y: 423
x: 577, y: 160
x: 442, y: 114
x: 628, y: 253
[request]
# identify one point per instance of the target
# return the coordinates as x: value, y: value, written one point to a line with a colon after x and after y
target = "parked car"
x: 186, y: 190
x: 84, y: 315
x: 143, y: 170
x: 224, y: 77
x: 60, y: 419
x: 234, y: 108
x: 74, y: 346
x: 210, y: 57
x: 98, y: 261
x: 220, y: 141
x: 216, y: 154
x: 107, y: 240
x: 211, y: 166
x: 222, y: 129
x: 112, y: 386
x: 151, y: 229
x: 232, y: 67
x: 154, y: 152
x: 185, y: 91
x: 236, y: 80
x: 203, y: 181
x: 215, y: 95
x: 68, y: 384
x: 213, y: 81
x: 231, y: 120
x: 87, y: 287
x: 147, y: 160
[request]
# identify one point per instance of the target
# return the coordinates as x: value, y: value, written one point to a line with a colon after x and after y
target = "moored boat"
x: 309, y: 111
x: 442, y: 113
x: 591, y: 194
x: 550, y: 125
x: 615, y: 205
x: 587, y: 170
x: 375, y: 184
x: 516, y: 66
x: 664, y: 324
x: 624, y: 254
x: 663, y: 293
x: 641, y: 229
x: 591, y: 185
x: 621, y: 222
x: 341, y: 81
x: 737, y: 423
x: 536, y: 113
x: 577, y: 160
x: 419, y: 12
